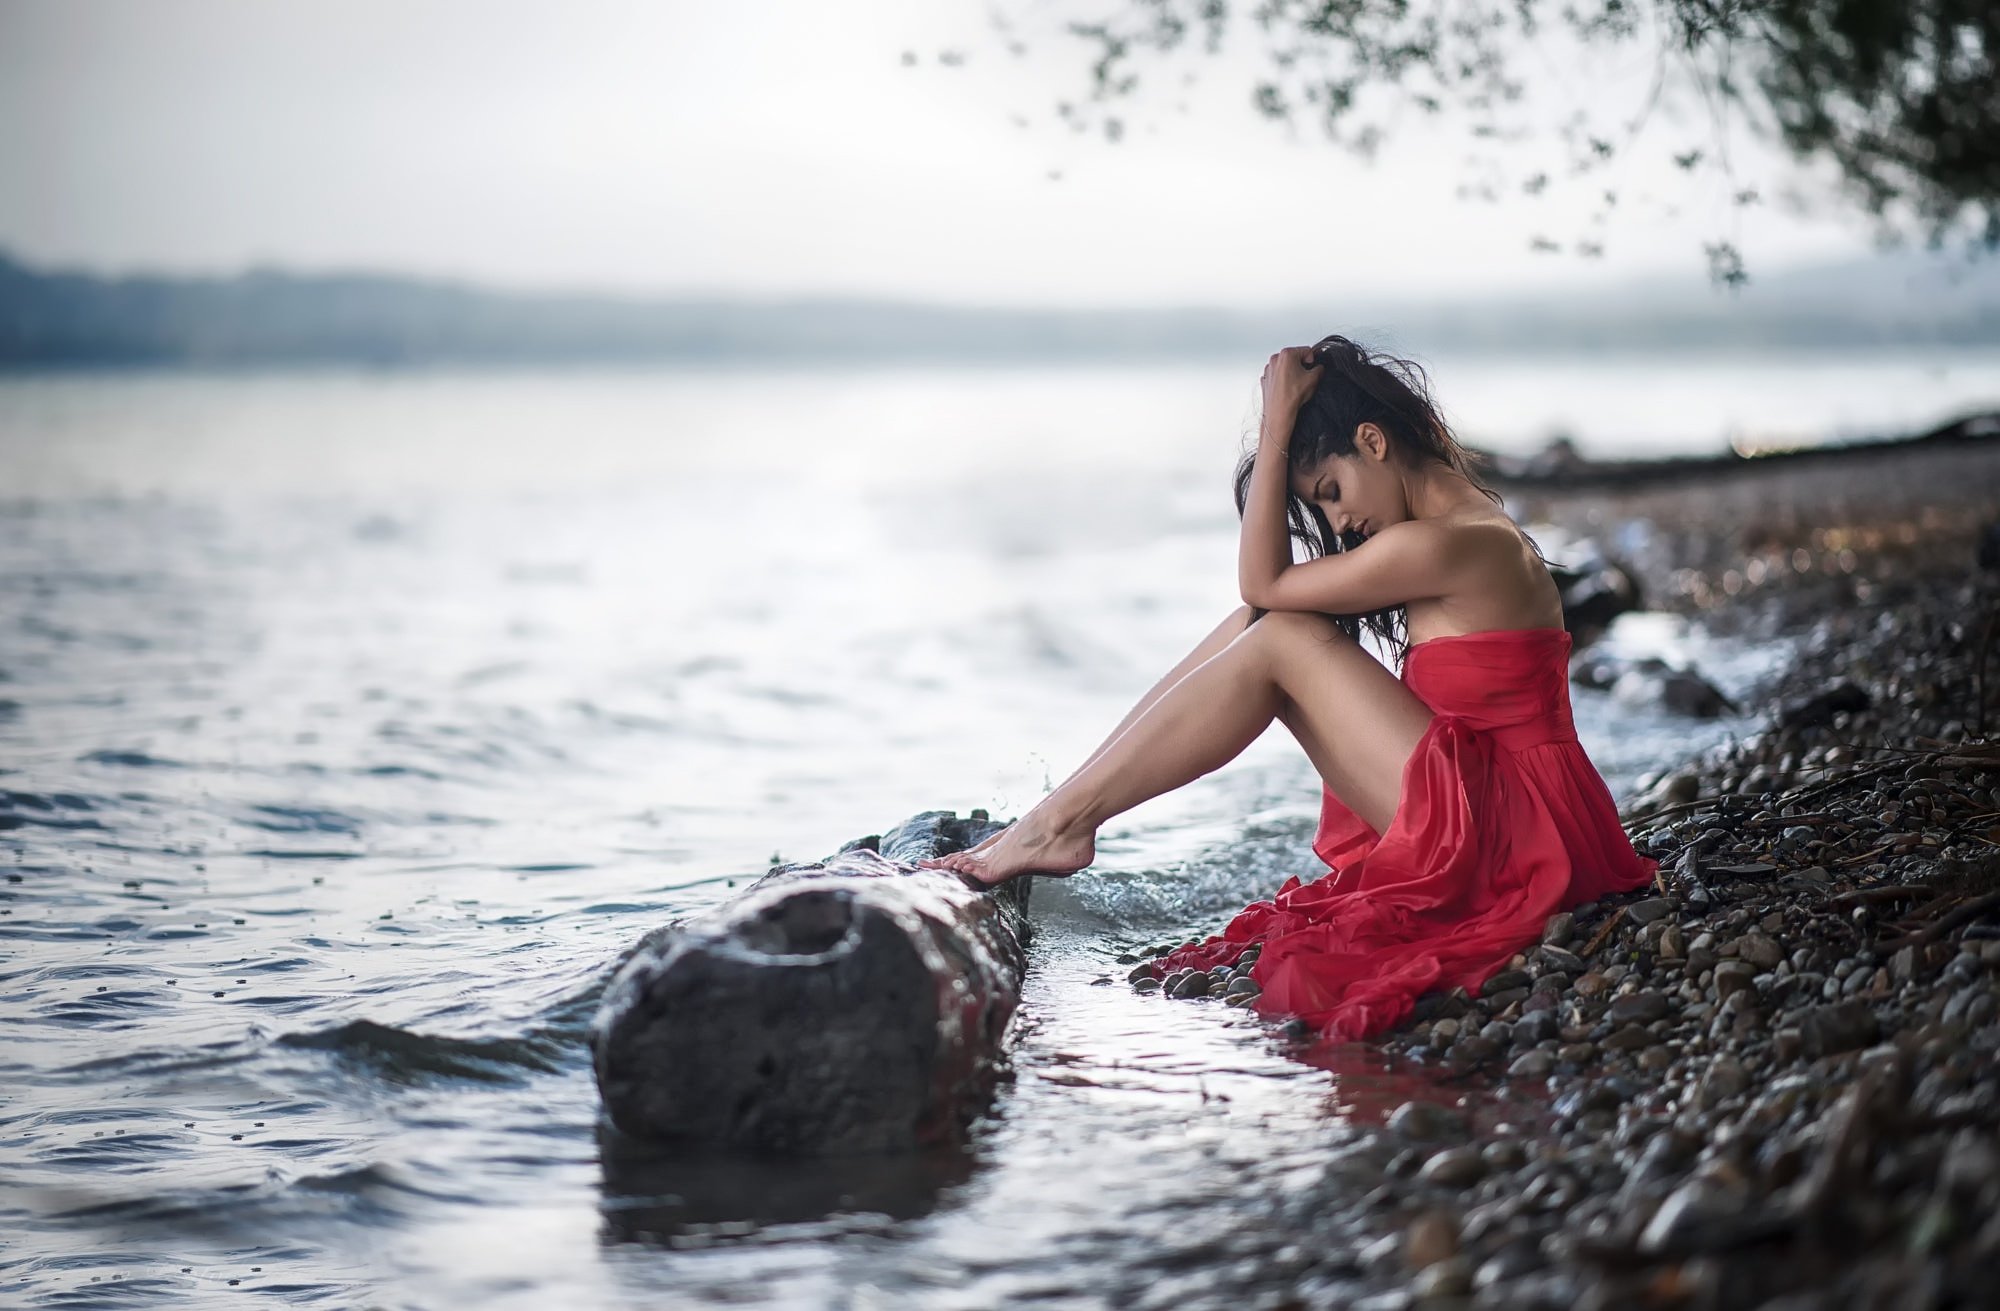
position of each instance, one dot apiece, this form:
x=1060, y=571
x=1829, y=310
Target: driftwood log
x=855, y=1004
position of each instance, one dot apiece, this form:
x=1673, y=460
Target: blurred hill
x=272, y=317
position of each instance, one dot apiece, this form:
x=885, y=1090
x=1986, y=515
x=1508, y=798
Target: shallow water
x=352, y=726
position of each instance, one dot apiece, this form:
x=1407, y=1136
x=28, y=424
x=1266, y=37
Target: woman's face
x=1362, y=492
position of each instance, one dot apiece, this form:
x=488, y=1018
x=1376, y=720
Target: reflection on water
x=351, y=728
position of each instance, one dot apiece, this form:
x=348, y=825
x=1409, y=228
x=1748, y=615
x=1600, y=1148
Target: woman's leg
x=1223, y=634
x=1356, y=721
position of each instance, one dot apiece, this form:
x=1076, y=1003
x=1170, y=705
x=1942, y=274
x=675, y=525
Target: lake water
x=351, y=725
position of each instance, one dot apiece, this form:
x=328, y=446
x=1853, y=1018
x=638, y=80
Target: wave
x=403, y=1056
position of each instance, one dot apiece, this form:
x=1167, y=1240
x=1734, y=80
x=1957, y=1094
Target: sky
x=787, y=147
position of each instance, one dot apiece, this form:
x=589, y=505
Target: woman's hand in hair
x=1289, y=378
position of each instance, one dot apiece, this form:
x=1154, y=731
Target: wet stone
x=1454, y=1167
x=1759, y=950
x=1144, y=985
x=1557, y=932
x=1432, y=1237
x=1473, y=1048
x=1639, y=1008
x=1561, y=959
x=1825, y=1030
x=1532, y=1065
x=1426, y=1122
x=1652, y=908
x=1733, y=976
x=1195, y=984
x=1632, y=1037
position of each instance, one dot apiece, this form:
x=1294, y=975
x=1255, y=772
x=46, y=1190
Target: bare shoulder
x=1463, y=537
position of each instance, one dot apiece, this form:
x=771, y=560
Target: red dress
x=1503, y=822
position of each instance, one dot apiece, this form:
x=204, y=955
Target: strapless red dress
x=1503, y=822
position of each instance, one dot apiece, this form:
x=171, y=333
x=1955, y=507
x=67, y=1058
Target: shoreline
x=1772, y=1079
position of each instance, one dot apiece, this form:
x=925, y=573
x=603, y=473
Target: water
x=352, y=725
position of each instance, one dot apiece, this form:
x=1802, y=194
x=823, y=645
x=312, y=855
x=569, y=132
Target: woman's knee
x=1295, y=626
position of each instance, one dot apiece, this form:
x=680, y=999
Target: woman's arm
x=1264, y=548
x=1405, y=562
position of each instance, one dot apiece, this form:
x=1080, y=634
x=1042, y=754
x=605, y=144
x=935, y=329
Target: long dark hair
x=1360, y=386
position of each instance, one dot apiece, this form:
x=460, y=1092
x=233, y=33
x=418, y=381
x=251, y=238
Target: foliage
x=1901, y=97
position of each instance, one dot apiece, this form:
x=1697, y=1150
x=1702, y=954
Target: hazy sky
x=770, y=146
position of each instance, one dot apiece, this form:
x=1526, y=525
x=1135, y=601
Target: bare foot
x=1028, y=846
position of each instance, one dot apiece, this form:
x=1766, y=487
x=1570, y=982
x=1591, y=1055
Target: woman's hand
x=1289, y=378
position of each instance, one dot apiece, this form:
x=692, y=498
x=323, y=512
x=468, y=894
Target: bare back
x=1500, y=581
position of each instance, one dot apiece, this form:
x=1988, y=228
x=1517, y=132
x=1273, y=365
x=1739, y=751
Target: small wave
x=404, y=1057
x=301, y=819
x=129, y=760
x=48, y=810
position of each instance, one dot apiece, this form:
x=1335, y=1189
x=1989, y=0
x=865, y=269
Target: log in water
x=855, y=1004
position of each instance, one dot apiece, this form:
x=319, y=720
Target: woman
x=1459, y=810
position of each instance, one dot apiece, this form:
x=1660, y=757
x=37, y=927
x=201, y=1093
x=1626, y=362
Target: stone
x=1535, y=1027
x=1194, y=984
x=1826, y=1030
x=1473, y=1048
x=1560, y=959
x=1632, y=1037
x=1639, y=1008
x=1733, y=976
x=1724, y=1079
x=1426, y=1122
x=1532, y=1065
x=1652, y=908
x=1431, y=1237
x=1238, y=987
x=1673, y=943
x=1454, y=1167
x=1759, y=950
x=1449, y=1279
x=1689, y=1219
x=1146, y=985
x=1559, y=929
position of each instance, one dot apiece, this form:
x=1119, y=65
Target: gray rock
x=1561, y=959
x=1652, y=908
x=1144, y=985
x=1532, y=1065
x=1195, y=984
x=1632, y=1037
x=1557, y=932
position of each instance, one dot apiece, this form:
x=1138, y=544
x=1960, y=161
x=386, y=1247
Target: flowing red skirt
x=1503, y=822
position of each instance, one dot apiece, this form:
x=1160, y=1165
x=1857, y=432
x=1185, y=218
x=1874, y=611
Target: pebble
x=1454, y=1167
x=1645, y=912
x=1531, y=1065
x=1733, y=976
x=1758, y=949
x=1639, y=1008
x=1426, y=1122
x=1432, y=1237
